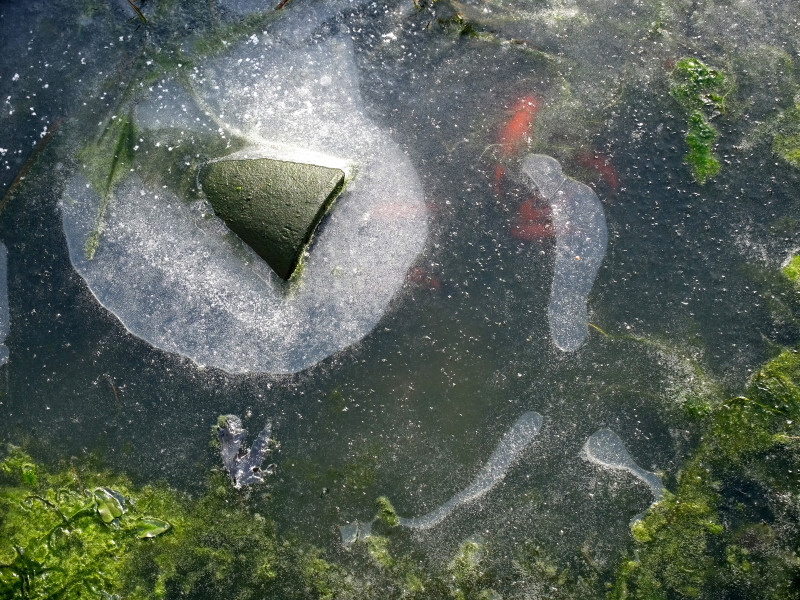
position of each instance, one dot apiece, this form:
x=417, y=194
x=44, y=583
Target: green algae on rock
x=696, y=86
x=272, y=205
x=700, y=139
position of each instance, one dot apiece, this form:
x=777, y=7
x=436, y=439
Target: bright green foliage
x=59, y=539
x=701, y=92
x=792, y=270
x=786, y=142
x=700, y=139
x=672, y=543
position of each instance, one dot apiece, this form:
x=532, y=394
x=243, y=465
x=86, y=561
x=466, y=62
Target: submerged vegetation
x=731, y=524
x=700, y=91
x=729, y=528
x=106, y=160
x=786, y=143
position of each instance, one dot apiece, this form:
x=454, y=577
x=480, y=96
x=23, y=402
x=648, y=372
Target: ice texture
x=516, y=439
x=177, y=277
x=5, y=317
x=243, y=467
x=581, y=237
x=604, y=448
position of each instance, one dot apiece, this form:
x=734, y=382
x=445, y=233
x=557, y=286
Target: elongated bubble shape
x=5, y=317
x=178, y=278
x=604, y=448
x=513, y=443
x=515, y=440
x=581, y=238
x=243, y=467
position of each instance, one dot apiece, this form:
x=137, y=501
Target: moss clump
x=386, y=513
x=378, y=549
x=792, y=270
x=700, y=138
x=695, y=544
x=786, y=143
x=700, y=91
x=696, y=86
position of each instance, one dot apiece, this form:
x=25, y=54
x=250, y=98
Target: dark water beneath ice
x=414, y=409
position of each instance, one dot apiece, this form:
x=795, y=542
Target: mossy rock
x=274, y=206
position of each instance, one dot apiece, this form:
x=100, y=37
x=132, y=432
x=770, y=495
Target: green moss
x=59, y=538
x=792, y=270
x=701, y=92
x=386, y=513
x=684, y=549
x=468, y=569
x=786, y=143
x=378, y=549
x=696, y=86
x=700, y=138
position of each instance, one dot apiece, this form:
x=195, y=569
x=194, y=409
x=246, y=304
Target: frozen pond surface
x=440, y=299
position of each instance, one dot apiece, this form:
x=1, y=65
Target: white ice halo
x=185, y=284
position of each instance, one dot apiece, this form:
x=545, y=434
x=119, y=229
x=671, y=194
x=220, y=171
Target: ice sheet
x=176, y=277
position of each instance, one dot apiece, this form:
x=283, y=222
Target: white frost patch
x=186, y=284
x=581, y=238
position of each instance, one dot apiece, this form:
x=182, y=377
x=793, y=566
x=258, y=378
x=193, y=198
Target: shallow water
x=406, y=388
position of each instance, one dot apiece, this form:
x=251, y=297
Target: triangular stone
x=272, y=205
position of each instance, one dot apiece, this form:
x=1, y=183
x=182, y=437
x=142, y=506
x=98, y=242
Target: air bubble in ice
x=604, y=448
x=581, y=237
